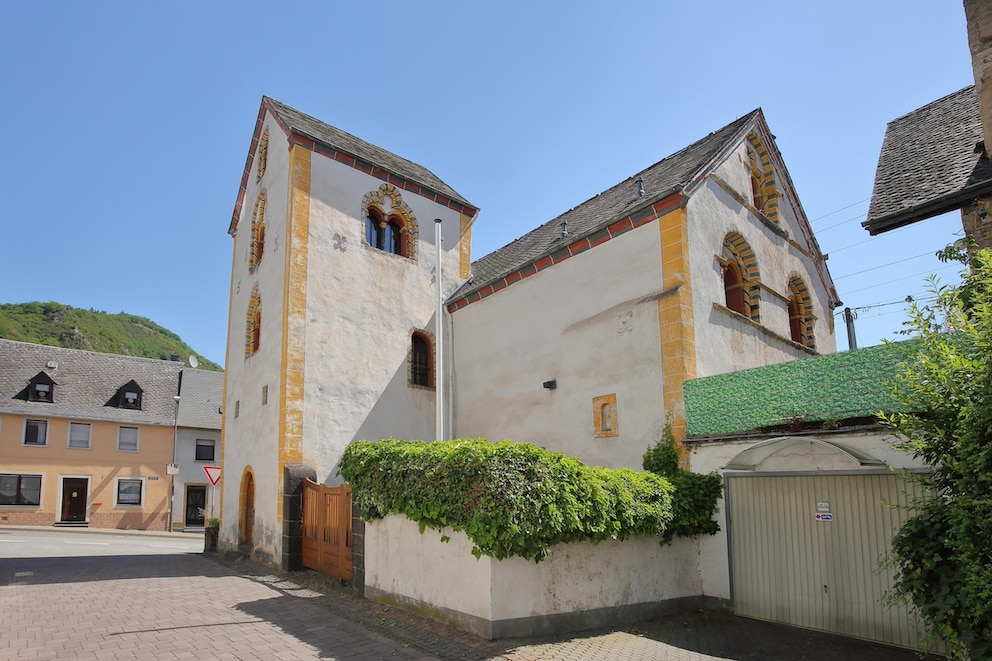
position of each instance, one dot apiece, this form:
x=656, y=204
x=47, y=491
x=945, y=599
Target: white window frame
x=137, y=439
x=44, y=441
x=141, y=492
x=89, y=435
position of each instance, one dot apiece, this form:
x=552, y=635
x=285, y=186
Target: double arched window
x=386, y=234
x=390, y=225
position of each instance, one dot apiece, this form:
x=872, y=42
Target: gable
x=335, y=144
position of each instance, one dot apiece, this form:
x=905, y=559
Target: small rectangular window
x=20, y=489
x=128, y=492
x=204, y=449
x=36, y=432
x=127, y=439
x=265, y=395
x=79, y=435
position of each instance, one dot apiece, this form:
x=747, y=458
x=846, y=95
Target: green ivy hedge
x=510, y=499
x=695, y=493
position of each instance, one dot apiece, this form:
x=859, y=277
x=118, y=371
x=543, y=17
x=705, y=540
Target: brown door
x=74, y=499
x=249, y=512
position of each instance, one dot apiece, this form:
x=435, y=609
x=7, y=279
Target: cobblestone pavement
x=195, y=606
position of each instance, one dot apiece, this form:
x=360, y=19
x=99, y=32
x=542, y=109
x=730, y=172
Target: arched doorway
x=247, y=508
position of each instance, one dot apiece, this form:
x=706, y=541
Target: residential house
x=576, y=336
x=197, y=446
x=85, y=437
x=936, y=159
x=814, y=491
x=91, y=439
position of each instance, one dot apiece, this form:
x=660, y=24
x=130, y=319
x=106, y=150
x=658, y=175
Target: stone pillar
x=357, y=551
x=294, y=476
x=976, y=218
x=979, y=16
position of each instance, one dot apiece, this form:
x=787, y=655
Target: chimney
x=978, y=14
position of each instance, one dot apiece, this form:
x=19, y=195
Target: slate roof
x=86, y=381
x=201, y=396
x=325, y=134
x=928, y=164
x=831, y=387
x=674, y=173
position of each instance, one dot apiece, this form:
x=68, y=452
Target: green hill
x=60, y=325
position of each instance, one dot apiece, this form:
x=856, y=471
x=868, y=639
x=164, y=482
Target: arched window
x=764, y=190
x=253, y=323
x=741, y=279
x=800, y=313
x=733, y=287
x=390, y=224
x=257, y=232
x=263, y=153
x=795, y=321
x=421, y=360
x=385, y=234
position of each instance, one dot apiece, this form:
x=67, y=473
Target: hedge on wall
x=510, y=499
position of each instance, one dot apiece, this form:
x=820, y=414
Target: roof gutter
x=916, y=213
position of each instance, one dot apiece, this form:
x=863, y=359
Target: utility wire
x=839, y=210
x=882, y=266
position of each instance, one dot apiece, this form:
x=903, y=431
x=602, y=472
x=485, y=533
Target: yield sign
x=213, y=474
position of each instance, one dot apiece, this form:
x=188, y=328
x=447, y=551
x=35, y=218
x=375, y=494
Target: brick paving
x=193, y=606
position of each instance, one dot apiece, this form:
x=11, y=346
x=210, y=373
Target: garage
x=806, y=549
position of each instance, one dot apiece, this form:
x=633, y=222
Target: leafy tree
x=943, y=553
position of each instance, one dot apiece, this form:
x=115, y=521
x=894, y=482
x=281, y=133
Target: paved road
x=86, y=595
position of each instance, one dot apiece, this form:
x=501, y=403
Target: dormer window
x=41, y=388
x=129, y=396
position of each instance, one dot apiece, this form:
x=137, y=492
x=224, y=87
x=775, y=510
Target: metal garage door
x=806, y=550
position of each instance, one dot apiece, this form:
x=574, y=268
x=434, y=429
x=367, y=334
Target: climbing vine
x=510, y=499
x=696, y=494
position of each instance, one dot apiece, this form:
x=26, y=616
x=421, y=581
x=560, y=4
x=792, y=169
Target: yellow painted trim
x=677, y=329
x=227, y=368
x=465, y=247
x=294, y=316
x=608, y=404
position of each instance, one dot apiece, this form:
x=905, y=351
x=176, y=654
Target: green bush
x=694, y=500
x=510, y=499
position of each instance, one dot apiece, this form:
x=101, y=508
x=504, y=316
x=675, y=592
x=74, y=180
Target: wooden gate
x=327, y=529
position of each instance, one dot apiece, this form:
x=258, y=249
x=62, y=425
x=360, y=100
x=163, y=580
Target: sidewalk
x=691, y=636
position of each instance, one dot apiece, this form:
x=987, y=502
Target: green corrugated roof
x=836, y=386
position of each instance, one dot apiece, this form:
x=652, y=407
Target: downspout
x=439, y=349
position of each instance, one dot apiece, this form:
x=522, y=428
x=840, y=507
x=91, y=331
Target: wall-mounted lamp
x=552, y=384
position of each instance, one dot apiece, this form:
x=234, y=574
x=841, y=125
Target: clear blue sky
x=125, y=125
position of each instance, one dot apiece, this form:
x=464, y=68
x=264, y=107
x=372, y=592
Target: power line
x=882, y=266
x=889, y=282
x=841, y=209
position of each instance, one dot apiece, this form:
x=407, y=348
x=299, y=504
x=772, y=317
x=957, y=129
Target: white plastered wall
x=590, y=324
x=362, y=304
x=252, y=438
x=724, y=341
x=403, y=564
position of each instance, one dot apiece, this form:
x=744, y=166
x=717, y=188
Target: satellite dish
x=193, y=362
